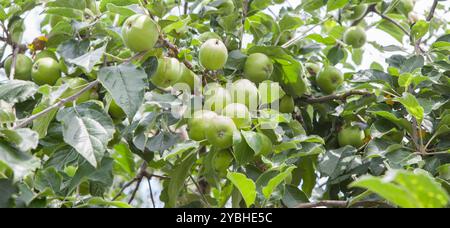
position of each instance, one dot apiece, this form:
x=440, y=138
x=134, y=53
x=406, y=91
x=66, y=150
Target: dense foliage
x=105, y=103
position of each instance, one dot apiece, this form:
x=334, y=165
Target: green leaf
x=88, y=129
x=48, y=178
x=17, y=91
x=416, y=189
x=21, y=163
x=97, y=201
x=289, y=22
x=124, y=11
x=178, y=176
x=24, y=138
x=294, y=196
x=7, y=190
x=336, y=4
x=126, y=84
x=88, y=60
x=124, y=159
x=420, y=29
x=412, y=105
x=246, y=187
x=277, y=180
x=66, y=12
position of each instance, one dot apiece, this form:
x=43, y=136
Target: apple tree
x=224, y=103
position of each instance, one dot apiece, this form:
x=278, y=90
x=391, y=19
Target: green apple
x=355, y=36
x=355, y=12
x=116, y=111
x=222, y=160
x=220, y=132
x=352, y=136
x=140, y=33
x=168, y=72
x=258, y=67
x=46, y=71
x=312, y=68
x=405, y=6
x=45, y=54
x=213, y=54
x=23, y=67
x=239, y=114
x=217, y=99
x=199, y=123
x=287, y=104
x=245, y=92
x=329, y=79
x=74, y=85
x=191, y=79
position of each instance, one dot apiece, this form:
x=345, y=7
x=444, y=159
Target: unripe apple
x=46, y=71
x=217, y=100
x=352, y=136
x=258, y=67
x=329, y=79
x=199, y=123
x=23, y=67
x=140, y=33
x=213, y=54
x=287, y=104
x=168, y=72
x=222, y=160
x=220, y=132
x=312, y=68
x=191, y=79
x=245, y=92
x=355, y=36
x=239, y=114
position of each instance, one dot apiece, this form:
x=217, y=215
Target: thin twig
x=244, y=17
x=124, y=187
x=12, y=72
x=295, y=39
x=393, y=22
x=151, y=192
x=24, y=122
x=432, y=10
x=200, y=191
x=370, y=9
x=333, y=97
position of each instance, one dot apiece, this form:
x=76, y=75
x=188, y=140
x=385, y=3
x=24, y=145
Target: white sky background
x=34, y=18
